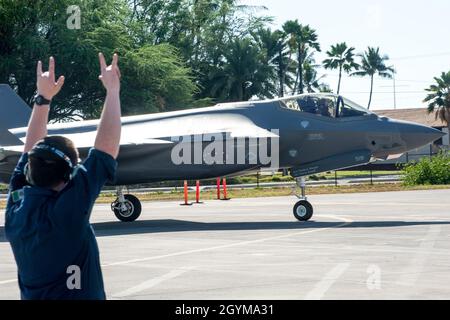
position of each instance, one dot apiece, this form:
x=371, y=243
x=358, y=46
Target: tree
x=275, y=48
x=341, y=58
x=439, y=98
x=372, y=63
x=228, y=22
x=310, y=75
x=155, y=79
x=311, y=80
x=325, y=88
x=243, y=73
x=301, y=39
x=201, y=30
x=38, y=29
x=33, y=30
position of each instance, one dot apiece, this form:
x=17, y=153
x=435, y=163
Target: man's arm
x=37, y=126
x=100, y=165
x=48, y=88
x=109, y=129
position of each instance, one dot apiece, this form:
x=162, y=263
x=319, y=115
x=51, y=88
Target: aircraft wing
x=86, y=140
x=235, y=125
x=81, y=144
x=10, y=151
x=161, y=132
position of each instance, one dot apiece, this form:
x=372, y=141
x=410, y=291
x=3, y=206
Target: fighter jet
x=304, y=134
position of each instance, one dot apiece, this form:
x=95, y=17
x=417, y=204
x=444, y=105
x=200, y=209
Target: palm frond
x=362, y=73
x=385, y=74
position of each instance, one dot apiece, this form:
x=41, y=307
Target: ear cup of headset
x=27, y=173
x=68, y=175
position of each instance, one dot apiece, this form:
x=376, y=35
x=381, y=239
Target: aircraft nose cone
x=416, y=135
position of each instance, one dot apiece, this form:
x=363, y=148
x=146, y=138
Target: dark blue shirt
x=50, y=234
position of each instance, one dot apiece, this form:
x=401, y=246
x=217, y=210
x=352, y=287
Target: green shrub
x=428, y=171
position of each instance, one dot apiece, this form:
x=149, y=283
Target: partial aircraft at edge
x=312, y=133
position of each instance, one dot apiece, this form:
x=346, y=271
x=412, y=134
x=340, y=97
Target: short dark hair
x=47, y=170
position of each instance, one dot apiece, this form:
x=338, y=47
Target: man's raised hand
x=110, y=75
x=46, y=85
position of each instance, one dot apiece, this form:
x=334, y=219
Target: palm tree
x=341, y=58
x=312, y=81
x=243, y=74
x=372, y=62
x=302, y=38
x=275, y=47
x=310, y=76
x=439, y=98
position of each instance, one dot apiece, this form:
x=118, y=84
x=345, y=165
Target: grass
x=278, y=177
x=273, y=192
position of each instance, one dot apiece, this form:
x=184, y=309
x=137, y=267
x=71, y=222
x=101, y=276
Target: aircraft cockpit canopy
x=325, y=105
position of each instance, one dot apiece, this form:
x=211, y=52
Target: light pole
x=395, y=90
x=394, y=86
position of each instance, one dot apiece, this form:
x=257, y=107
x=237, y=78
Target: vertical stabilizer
x=14, y=113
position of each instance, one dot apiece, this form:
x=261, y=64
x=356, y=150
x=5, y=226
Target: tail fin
x=14, y=113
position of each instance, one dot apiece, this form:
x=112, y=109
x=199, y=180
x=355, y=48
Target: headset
x=68, y=175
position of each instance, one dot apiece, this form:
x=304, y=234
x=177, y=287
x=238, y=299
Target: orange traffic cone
x=224, y=183
x=186, y=203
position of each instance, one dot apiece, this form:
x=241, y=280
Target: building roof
x=419, y=115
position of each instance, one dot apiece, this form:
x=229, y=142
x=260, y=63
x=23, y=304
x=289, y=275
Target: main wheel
x=129, y=210
x=303, y=210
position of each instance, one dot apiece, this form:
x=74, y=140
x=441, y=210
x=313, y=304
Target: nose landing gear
x=303, y=210
x=126, y=207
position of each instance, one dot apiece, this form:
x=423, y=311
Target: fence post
x=257, y=179
x=335, y=178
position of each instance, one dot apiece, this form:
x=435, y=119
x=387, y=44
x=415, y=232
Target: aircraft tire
x=303, y=210
x=133, y=211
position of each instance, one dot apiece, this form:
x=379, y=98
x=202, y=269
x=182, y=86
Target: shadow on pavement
x=103, y=229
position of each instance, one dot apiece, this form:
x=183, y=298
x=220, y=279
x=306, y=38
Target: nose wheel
x=126, y=207
x=303, y=210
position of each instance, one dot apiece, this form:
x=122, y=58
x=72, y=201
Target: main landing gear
x=126, y=207
x=303, y=210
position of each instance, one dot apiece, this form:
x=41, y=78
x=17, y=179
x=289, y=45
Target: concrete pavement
x=393, y=245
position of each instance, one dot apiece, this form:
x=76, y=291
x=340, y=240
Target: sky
x=415, y=34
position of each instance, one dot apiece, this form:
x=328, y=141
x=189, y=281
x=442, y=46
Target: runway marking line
x=327, y=281
x=151, y=283
x=8, y=281
x=225, y=246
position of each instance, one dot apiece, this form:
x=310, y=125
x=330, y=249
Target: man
x=51, y=197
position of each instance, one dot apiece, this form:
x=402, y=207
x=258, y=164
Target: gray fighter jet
x=305, y=134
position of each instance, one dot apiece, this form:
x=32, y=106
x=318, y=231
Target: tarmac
x=390, y=245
